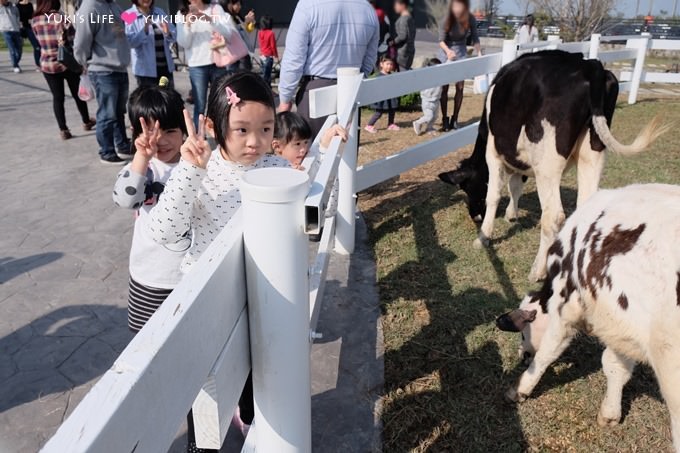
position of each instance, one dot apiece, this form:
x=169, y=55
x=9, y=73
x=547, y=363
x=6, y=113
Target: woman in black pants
x=49, y=30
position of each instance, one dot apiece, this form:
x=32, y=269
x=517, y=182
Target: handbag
x=65, y=55
x=223, y=52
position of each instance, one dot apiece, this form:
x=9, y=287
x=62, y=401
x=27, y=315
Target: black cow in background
x=544, y=112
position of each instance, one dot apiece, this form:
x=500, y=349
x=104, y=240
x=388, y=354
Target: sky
x=627, y=7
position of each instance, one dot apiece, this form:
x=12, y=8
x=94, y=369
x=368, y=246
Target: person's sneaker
x=17, y=70
x=393, y=127
x=111, y=160
x=124, y=154
x=90, y=124
x=371, y=129
x=65, y=134
x=416, y=127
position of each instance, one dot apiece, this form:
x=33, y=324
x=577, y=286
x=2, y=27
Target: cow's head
x=528, y=319
x=473, y=182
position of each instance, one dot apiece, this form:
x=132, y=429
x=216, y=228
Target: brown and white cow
x=544, y=112
x=613, y=272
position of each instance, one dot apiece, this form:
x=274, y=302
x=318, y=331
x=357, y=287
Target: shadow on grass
x=463, y=411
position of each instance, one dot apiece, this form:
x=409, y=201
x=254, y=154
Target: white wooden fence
x=197, y=350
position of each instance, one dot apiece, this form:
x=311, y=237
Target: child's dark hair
x=388, y=58
x=156, y=103
x=266, y=23
x=291, y=126
x=403, y=2
x=432, y=62
x=248, y=86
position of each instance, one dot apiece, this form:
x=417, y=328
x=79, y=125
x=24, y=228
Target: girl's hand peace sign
x=147, y=142
x=195, y=149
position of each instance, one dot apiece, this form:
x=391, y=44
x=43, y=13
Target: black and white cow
x=613, y=272
x=543, y=112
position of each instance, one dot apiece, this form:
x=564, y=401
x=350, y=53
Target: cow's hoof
x=514, y=397
x=480, y=243
x=605, y=422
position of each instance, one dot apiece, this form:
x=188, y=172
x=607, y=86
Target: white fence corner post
x=509, y=51
x=594, y=46
x=276, y=254
x=641, y=44
x=345, y=229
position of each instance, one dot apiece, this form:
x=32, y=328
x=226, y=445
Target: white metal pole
x=594, y=46
x=345, y=228
x=276, y=259
x=641, y=45
x=509, y=51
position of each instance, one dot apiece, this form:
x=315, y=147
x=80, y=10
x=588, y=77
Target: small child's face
x=294, y=151
x=387, y=66
x=250, y=132
x=169, y=144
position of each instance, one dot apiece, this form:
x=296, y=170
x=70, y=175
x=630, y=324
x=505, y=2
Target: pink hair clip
x=232, y=96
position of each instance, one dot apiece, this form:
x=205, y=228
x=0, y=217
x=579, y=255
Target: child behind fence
x=387, y=66
x=429, y=102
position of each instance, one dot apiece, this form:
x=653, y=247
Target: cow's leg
x=515, y=186
x=618, y=369
x=497, y=177
x=666, y=364
x=555, y=340
x=590, y=165
x=552, y=218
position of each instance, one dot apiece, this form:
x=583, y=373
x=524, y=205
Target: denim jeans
x=28, y=33
x=15, y=45
x=111, y=89
x=267, y=65
x=200, y=77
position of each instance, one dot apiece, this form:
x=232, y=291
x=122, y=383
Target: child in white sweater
x=202, y=193
x=429, y=101
x=158, y=132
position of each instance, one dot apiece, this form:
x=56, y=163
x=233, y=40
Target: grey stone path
x=63, y=283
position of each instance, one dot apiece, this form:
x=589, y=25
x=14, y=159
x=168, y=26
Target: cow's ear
x=515, y=320
x=455, y=177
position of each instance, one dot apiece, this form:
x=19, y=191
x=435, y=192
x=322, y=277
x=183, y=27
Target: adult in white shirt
x=527, y=32
x=195, y=29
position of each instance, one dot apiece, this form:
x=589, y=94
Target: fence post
x=345, y=229
x=641, y=45
x=594, y=46
x=509, y=51
x=278, y=307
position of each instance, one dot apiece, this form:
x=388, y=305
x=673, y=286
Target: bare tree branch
x=577, y=19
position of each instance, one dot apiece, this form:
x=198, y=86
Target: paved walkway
x=63, y=283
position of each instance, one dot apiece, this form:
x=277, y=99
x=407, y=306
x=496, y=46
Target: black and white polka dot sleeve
x=129, y=190
x=170, y=219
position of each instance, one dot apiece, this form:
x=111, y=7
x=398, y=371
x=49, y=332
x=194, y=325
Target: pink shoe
x=238, y=423
x=393, y=127
x=371, y=129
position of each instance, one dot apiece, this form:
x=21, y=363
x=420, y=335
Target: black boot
x=445, y=124
x=453, y=124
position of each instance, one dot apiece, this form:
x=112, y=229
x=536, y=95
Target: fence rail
x=218, y=336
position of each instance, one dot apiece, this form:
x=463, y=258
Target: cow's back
x=625, y=265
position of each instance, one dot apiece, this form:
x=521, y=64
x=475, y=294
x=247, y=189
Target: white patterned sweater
x=201, y=201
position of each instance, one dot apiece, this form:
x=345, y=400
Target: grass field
x=446, y=366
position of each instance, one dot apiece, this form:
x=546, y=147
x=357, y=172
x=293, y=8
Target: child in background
x=293, y=138
x=268, y=50
x=202, y=193
x=429, y=102
x=158, y=132
x=387, y=67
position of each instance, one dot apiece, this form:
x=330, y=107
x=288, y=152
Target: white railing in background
x=197, y=350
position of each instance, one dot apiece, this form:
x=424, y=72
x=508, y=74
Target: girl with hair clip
x=202, y=194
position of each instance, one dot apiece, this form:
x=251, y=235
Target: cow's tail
x=649, y=133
